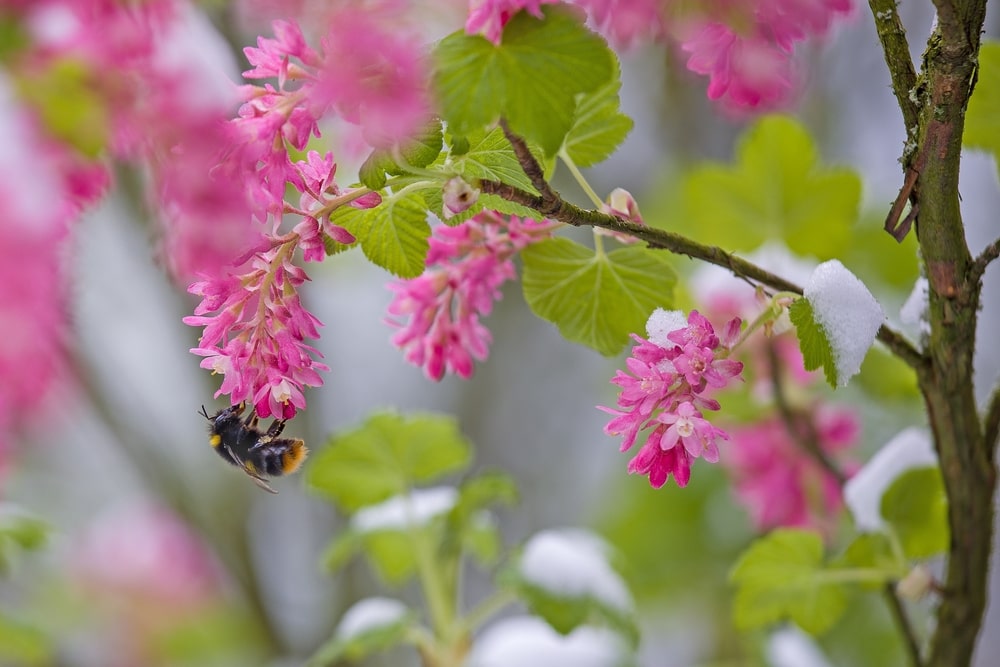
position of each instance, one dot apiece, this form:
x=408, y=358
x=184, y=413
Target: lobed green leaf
x=777, y=188
x=386, y=457
x=781, y=577
x=531, y=78
x=596, y=299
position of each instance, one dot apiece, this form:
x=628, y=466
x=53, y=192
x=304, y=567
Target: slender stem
x=989, y=253
x=557, y=209
x=903, y=622
x=892, y=35
x=799, y=426
x=580, y=179
x=487, y=608
x=531, y=167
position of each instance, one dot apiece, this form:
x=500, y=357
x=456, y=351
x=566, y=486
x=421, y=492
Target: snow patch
x=911, y=448
x=914, y=311
x=573, y=563
x=790, y=647
x=369, y=614
x=401, y=512
x=848, y=314
x=529, y=642
x=663, y=322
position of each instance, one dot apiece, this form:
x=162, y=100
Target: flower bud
x=458, y=196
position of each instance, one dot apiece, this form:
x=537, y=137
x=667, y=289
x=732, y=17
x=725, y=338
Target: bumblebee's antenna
x=205, y=413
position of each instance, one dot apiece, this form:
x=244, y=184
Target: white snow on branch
x=401, y=512
x=914, y=311
x=848, y=314
x=526, y=641
x=573, y=563
x=369, y=614
x=911, y=448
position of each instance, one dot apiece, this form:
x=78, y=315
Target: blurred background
x=161, y=555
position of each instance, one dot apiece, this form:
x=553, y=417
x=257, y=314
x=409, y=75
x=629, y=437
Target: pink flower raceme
x=626, y=22
x=665, y=389
x=779, y=482
x=256, y=338
x=438, y=312
x=745, y=47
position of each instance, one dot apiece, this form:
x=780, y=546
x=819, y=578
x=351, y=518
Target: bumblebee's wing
x=257, y=479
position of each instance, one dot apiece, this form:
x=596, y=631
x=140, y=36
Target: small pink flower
x=659, y=463
x=696, y=434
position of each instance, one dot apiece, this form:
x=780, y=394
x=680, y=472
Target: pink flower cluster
x=743, y=46
x=256, y=338
x=779, y=482
x=438, y=312
x=666, y=391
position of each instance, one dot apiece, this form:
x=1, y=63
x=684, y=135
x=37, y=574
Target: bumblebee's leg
x=251, y=419
x=262, y=484
x=276, y=428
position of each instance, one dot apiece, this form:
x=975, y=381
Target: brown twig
x=556, y=208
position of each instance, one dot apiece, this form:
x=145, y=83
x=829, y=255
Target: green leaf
x=781, y=577
x=469, y=525
x=596, y=299
x=982, y=119
x=886, y=377
x=392, y=235
x=776, y=189
x=386, y=457
x=599, y=126
x=491, y=157
x=371, y=625
x=69, y=104
x=531, y=78
x=419, y=151
x=22, y=644
x=813, y=342
x=916, y=507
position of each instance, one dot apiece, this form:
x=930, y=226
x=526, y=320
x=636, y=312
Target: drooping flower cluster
x=776, y=478
x=256, y=338
x=668, y=384
x=743, y=46
x=438, y=312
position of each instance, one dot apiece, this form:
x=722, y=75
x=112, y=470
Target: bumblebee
x=261, y=455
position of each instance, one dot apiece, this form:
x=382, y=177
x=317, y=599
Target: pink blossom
x=438, y=313
x=141, y=572
x=745, y=72
x=488, y=17
x=686, y=426
x=665, y=390
x=659, y=463
x=779, y=482
x=628, y=22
